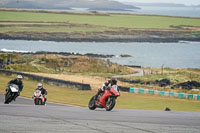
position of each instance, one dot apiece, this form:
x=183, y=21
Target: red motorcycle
x=106, y=100
x=38, y=98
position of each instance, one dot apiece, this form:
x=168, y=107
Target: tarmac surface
x=22, y=116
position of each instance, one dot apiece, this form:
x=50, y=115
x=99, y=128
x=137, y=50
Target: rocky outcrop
x=68, y=39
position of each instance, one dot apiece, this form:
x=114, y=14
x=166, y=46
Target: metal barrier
x=48, y=80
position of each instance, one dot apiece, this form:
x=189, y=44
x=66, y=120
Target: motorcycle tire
x=91, y=104
x=8, y=98
x=37, y=101
x=110, y=104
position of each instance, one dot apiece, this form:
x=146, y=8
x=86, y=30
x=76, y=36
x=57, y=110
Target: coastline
x=172, y=55
x=102, y=39
x=133, y=28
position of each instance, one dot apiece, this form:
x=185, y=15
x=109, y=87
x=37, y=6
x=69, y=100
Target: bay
x=173, y=55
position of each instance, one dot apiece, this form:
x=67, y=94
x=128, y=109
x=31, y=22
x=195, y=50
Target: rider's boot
x=97, y=95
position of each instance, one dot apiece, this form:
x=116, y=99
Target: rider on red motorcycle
x=107, y=84
x=106, y=96
x=42, y=89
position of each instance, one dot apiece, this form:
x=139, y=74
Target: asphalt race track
x=22, y=116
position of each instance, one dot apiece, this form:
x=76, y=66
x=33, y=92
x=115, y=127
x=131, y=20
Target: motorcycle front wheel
x=37, y=101
x=91, y=104
x=110, y=103
x=8, y=98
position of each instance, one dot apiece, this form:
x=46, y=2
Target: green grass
x=49, y=28
x=55, y=94
x=113, y=20
x=197, y=34
x=174, y=75
x=30, y=68
x=126, y=100
x=153, y=102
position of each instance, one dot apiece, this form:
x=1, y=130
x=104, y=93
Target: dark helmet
x=113, y=80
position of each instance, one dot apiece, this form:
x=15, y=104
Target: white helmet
x=19, y=77
x=39, y=84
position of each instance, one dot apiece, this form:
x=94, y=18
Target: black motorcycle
x=11, y=93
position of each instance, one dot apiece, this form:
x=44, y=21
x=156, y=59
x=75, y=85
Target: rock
x=125, y=55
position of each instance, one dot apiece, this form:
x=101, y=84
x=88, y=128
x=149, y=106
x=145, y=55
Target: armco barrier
x=198, y=97
x=151, y=91
x=146, y=90
x=165, y=93
x=180, y=95
x=48, y=80
x=190, y=96
x=157, y=92
x=162, y=93
x=125, y=89
x=141, y=90
x=131, y=90
x=171, y=93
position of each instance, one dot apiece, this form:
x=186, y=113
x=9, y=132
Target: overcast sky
x=186, y=2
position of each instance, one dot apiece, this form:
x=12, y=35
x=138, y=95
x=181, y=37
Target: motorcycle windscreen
x=37, y=93
x=115, y=88
x=14, y=89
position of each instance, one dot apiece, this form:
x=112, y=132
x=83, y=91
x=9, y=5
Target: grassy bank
x=175, y=76
x=126, y=100
x=62, y=64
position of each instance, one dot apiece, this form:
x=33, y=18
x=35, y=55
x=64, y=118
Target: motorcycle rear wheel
x=110, y=104
x=91, y=104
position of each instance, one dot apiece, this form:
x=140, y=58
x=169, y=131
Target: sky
x=186, y=2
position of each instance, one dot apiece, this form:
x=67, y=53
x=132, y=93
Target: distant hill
x=156, y=4
x=66, y=4
x=196, y=6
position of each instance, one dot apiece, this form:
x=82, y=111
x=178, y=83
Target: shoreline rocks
x=125, y=55
x=67, y=54
x=68, y=39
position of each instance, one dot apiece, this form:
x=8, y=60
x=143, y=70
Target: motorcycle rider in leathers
x=17, y=81
x=42, y=89
x=106, y=85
